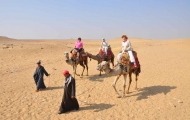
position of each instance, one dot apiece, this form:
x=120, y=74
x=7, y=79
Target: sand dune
x=163, y=83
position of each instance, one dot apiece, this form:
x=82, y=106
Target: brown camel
x=118, y=71
x=101, y=57
x=83, y=61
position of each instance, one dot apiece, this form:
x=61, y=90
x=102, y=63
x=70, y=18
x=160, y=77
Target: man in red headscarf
x=69, y=101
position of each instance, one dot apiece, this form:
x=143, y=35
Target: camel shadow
x=97, y=107
x=98, y=78
x=153, y=90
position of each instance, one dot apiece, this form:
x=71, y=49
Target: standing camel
x=101, y=57
x=118, y=71
x=83, y=62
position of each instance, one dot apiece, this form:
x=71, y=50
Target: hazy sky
x=95, y=19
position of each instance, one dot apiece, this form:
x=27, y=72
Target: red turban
x=65, y=72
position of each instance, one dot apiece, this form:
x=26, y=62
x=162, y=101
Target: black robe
x=69, y=103
x=39, y=77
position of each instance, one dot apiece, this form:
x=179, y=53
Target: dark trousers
x=78, y=50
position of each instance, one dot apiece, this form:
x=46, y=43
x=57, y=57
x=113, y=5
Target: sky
x=94, y=19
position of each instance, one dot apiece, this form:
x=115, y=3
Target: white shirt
x=68, y=81
x=104, y=44
x=126, y=45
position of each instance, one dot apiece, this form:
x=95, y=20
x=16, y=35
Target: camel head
x=66, y=55
x=102, y=66
x=67, y=60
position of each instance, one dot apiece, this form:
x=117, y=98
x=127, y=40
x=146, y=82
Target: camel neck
x=108, y=70
x=113, y=72
x=94, y=57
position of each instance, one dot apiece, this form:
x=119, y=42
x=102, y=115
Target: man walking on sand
x=69, y=101
x=39, y=76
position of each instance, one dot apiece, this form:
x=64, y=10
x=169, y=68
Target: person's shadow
x=97, y=107
x=152, y=90
x=53, y=88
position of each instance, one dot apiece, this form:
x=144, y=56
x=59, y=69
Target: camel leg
x=112, y=61
x=114, y=84
x=124, y=84
x=130, y=80
x=136, y=82
x=100, y=70
x=81, y=63
x=74, y=70
x=86, y=64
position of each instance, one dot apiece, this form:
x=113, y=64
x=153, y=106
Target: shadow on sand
x=53, y=88
x=97, y=107
x=98, y=78
x=153, y=90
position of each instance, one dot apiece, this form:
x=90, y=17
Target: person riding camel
x=104, y=46
x=126, y=47
x=78, y=47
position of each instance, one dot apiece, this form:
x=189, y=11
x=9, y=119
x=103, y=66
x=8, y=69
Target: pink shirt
x=78, y=45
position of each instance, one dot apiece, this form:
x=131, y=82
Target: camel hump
x=82, y=55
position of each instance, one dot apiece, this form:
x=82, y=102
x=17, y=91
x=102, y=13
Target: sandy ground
x=164, y=83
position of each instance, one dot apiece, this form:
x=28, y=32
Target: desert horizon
x=11, y=38
x=163, y=84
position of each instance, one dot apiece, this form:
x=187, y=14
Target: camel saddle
x=136, y=59
x=82, y=55
x=125, y=59
x=102, y=53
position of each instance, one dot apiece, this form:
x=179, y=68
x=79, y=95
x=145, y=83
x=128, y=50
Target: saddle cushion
x=110, y=53
x=124, y=60
x=82, y=55
x=103, y=54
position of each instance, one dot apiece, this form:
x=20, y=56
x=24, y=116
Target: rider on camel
x=78, y=47
x=104, y=46
x=126, y=47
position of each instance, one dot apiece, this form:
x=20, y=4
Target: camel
x=118, y=71
x=83, y=62
x=101, y=57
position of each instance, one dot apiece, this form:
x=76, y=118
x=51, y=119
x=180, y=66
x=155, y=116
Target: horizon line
x=86, y=38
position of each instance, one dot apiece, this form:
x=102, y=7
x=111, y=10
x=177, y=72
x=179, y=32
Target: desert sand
x=164, y=82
